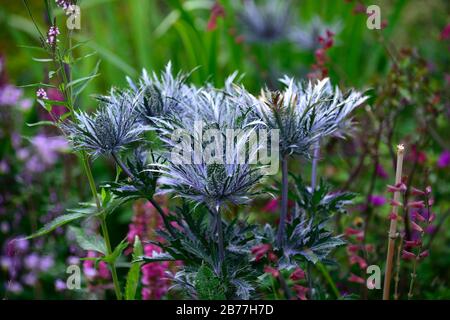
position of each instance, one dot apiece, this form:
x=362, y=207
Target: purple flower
x=29, y=279
x=64, y=4
x=46, y=263
x=60, y=285
x=31, y=261
x=9, y=95
x=444, y=159
x=377, y=200
x=41, y=94
x=14, y=287
x=52, y=33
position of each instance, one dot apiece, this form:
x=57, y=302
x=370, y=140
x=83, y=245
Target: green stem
x=104, y=227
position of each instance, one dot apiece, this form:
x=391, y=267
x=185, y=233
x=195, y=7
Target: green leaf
x=156, y=257
x=87, y=242
x=56, y=223
x=208, y=285
x=133, y=274
x=88, y=79
x=41, y=123
x=111, y=259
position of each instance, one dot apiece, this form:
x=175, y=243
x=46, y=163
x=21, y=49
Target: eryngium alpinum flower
x=109, y=129
x=163, y=95
x=305, y=113
x=266, y=22
x=214, y=182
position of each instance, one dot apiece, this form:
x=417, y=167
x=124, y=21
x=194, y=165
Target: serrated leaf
x=208, y=285
x=111, y=259
x=156, y=257
x=133, y=274
x=87, y=242
x=56, y=223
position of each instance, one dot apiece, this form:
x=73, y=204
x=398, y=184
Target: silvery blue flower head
x=162, y=95
x=208, y=171
x=109, y=129
x=305, y=113
x=266, y=22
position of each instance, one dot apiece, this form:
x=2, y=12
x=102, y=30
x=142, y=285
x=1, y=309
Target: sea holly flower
x=305, y=113
x=107, y=131
x=268, y=22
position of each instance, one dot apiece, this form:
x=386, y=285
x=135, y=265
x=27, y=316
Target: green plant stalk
x=327, y=276
x=104, y=227
x=281, y=234
x=397, y=272
x=220, y=244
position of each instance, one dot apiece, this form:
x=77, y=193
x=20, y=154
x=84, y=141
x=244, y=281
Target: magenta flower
x=356, y=279
x=444, y=159
x=298, y=274
x=300, y=291
x=377, y=200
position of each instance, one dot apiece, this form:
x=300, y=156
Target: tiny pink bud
x=424, y=254
x=396, y=203
x=432, y=217
x=418, y=217
x=356, y=279
x=428, y=189
x=430, y=202
x=416, y=227
x=392, y=216
x=412, y=243
x=298, y=274
x=406, y=255
x=416, y=204
x=417, y=192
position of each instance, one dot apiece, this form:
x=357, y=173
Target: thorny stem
x=104, y=226
x=393, y=226
x=281, y=235
x=122, y=165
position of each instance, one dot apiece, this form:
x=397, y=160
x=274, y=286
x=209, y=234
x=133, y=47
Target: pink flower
x=274, y=272
x=406, y=255
x=216, y=12
x=445, y=34
x=424, y=254
x=412, y=243
x=271, y=206
x=298, y=274
x=416, y=227
x=356, y=279
x=300, y=291
x=416, y=204
x=260, y=250
x=355, y=259
x=417, y=192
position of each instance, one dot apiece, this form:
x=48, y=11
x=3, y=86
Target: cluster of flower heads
x=421, y=218
x=274, y=20
x=356, y=249
x=303, y=113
